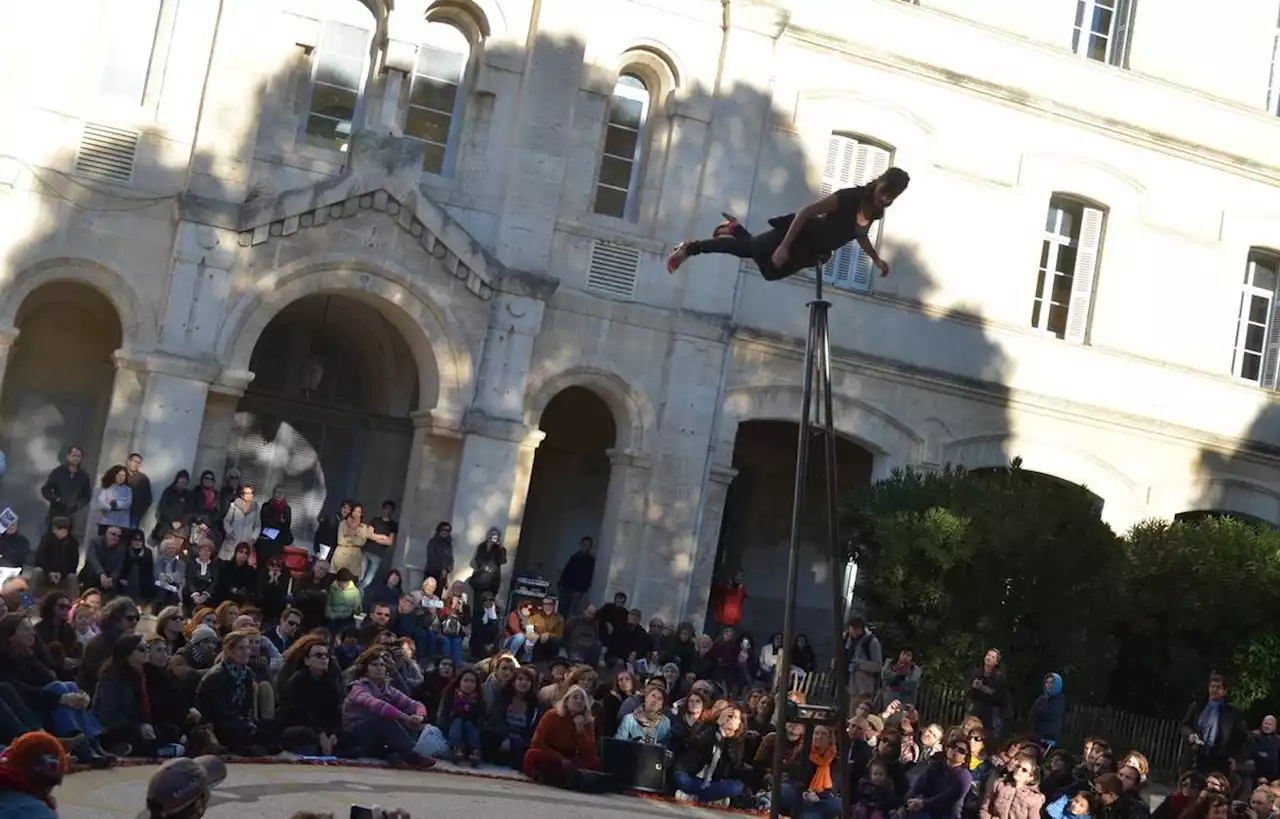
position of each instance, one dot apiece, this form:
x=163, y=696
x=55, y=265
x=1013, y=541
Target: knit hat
x=35, y=764
x=203, y=632
x=180, y=782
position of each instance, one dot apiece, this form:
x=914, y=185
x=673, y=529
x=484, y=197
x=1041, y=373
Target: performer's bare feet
x=677, y=256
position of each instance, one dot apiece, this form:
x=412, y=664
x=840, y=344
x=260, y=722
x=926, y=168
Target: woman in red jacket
x=564, y=743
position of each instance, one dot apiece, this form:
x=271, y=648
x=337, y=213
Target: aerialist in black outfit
x=808, y=237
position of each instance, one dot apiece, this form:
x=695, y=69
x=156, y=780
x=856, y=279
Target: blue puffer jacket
x=18, y=805
x=1048, y=710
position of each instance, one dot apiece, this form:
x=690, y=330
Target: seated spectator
x=624, y=685
x=347, y=648
x=940, y=791
x=520, y=631
x=84, y=619
x=117, y=618
x=310, y=709
x=388, y=592
x=57, y=559
x=711, y=766
x=504, y=670
x=227, y=696
x=461, y=714
x=285, y=631
x=511, y=720
x=92, y=598
x=378, y=720
x=486, y=627
x=273, y=589
x=762, y=761
x=30, y=768
x=581, y=638
x=378, y=619
x=564, y=743
x=170, y=575
x=407, y=669
x=15, y=549
x=548, y=629
x=455, y=616
x=122, y=704
x=201, y=577
x=237, y=579
x=311, y=594
x=648, y=723
x=104, y=563
x=435, y=683
x=58, y=635
x=808, y=791
x=46, y=699
x=689, y=712
x=224, y=617
x=555, y=690
x=628, y=643
x=875, y=796
x=343, y=602
x=138, y=575
x=172, y=705
x=1015, y=793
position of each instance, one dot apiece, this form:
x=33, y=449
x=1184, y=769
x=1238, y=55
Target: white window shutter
x=872, y=161
x=1271, y=355
x=1086, y=273
x=1120, y=32
x=842, y=160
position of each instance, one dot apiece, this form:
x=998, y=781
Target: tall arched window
x=624, y=134
x=338, y=69
x=437, y=93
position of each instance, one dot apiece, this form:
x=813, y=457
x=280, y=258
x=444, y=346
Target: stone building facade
x=413, y=249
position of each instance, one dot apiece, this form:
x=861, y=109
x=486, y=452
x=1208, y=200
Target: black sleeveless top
x=825, y=234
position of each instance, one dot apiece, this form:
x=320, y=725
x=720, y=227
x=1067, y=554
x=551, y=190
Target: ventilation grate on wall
x=107, y=153
x=613, y=270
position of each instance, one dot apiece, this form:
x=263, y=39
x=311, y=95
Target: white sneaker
x=681, y=796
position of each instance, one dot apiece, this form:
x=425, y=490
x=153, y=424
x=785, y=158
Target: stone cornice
x=1038, y=105
x=629, y=458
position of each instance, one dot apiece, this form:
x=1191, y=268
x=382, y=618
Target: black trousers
x=759, y=248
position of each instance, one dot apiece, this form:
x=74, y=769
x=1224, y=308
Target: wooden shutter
x=1271, y=353
x=1121, y=33
x=1086, y=273
x=872, y=161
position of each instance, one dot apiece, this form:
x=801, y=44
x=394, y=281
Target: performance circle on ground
x=277, y=791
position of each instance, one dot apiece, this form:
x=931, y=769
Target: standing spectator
x=174, y=509
x=67, y=489
x=277, y=517
x=379, y=546
x=1214, y=731
x=138, y=574
x=486, y=567
x=1047, y=712
x=14, y=548
x=613, y=616
x=57, y=559
x=1266, y=750
x=901, y=679
x=139, y=489
x=30, y=769
x=727, y=601
x=115, y=499
x=576, y=576
x=988, y=693
x=866, y=661
x=104, y=563
x=327, y=531
x=242, y=522
x=440, y=555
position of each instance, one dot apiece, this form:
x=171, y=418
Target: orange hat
x=35, y=763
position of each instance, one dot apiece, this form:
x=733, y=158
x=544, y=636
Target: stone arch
x=823, y=113
x=655, y=64
x=890, y=442
x=633, y=414
x=1219, y=493
x=137, y=322
x=419, y=309
x=482, y=19
x=1068, y=463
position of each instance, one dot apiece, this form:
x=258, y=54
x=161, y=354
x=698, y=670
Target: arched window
x=437, y=93
x=1257, y=348
x=852, y=161
x=1068, y=269
x=338, y=70
x=624, y=139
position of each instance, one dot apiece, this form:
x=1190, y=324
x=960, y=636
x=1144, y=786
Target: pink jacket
x=1007, y=801
x=366, y=701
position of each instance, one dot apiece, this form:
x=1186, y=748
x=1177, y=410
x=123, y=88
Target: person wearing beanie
x=180, y=788
x=30, y=769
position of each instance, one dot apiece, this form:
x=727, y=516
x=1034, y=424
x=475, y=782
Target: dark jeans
x=714, y=790
x=377, y=736
x=464, y=736
x=827, y=806
x=758, y=248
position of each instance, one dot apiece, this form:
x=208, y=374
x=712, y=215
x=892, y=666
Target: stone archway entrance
x=327, y=413
x=57, y=390
x=756, y=528
x=569, y=485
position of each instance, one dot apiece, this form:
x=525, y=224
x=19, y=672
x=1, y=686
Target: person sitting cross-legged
x=123, y=704
x=377, y=719
x=228, y=697
x=711, y=765
x=564, y=743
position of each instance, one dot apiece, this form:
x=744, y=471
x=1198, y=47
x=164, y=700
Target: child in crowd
x=875, y=797
x=461, y=715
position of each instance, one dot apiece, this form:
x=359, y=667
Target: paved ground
x=277, y=791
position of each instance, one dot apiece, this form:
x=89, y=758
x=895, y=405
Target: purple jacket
x=943, y=790
x=366, y=702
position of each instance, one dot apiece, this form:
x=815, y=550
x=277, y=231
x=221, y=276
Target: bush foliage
x=954, y=562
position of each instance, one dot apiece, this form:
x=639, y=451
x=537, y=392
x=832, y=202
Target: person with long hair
x=564, y=743
x=310, y=709
x=227, y=696
x=1015, y=794
x=461, y=714
x=237, y=578
x=58, y=635
x=122, y=702
x=378, y=719
x=115, y=499
x=510, y=724
x=810, y=235
x=940, y=791
x=711, y=767
x=648, y=723
x=809, y=791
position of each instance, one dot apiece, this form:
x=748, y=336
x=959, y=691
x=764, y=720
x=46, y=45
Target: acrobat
x=807, y=237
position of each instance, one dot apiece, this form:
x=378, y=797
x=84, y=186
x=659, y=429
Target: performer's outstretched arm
x=865, y=243
x=827, y=204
